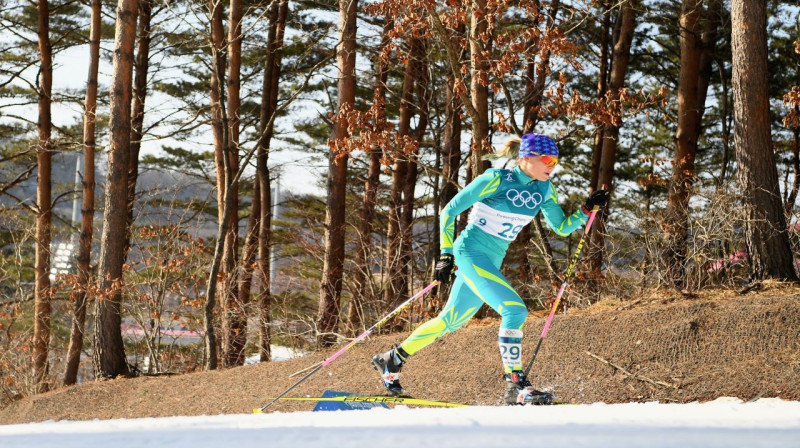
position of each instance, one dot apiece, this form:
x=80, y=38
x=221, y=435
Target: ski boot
x=520, y=391
x=389, y=365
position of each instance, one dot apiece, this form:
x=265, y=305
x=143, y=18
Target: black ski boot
x=520, y=391
x=389, y=365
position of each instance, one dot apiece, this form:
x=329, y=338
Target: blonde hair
x=510, y=150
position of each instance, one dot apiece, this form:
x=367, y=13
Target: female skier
x=503, y=201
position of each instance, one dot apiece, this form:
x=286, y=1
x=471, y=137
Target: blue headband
x=537, y=145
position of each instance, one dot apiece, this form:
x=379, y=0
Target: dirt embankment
x=668, y=349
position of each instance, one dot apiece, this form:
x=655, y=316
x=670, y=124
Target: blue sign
x=345, y=405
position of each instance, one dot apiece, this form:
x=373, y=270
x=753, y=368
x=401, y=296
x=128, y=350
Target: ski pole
x=570, y=269
x=355, y=341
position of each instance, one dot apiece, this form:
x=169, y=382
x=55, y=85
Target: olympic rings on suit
x=524, y=198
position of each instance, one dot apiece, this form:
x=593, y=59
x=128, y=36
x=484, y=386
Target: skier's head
x=536, y=154
x=538, y=145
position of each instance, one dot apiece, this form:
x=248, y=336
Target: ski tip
x=258, y=411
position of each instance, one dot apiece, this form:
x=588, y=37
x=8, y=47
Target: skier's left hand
x=597, y=199
x=445, y=269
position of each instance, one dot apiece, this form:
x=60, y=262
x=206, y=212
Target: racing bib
x=504, y=225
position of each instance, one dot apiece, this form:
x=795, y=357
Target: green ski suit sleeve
x=472, y=193
x=554, y=215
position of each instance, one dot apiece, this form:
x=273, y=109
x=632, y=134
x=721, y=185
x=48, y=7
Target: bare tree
x=766, y=234
x=109, y=355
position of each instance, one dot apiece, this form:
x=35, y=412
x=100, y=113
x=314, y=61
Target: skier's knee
x=514, y=316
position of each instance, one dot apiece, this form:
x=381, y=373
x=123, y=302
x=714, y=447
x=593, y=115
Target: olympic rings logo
x=524, y=198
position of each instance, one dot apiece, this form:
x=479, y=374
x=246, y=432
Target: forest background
x=172, y=250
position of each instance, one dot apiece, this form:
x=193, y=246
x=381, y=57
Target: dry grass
x=706, y=345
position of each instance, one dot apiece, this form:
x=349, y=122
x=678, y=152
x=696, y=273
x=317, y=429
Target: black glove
x=599, y=198
x=445, y=269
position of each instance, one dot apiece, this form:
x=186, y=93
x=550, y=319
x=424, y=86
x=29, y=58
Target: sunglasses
x=550, y=160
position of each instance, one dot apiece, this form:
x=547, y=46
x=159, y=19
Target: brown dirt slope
x=669, y=349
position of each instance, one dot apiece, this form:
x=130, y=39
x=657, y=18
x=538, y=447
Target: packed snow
x=725, y=422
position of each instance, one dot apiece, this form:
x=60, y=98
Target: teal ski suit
x=503, y=201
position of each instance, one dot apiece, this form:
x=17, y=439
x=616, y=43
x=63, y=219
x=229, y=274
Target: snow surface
x=725, y=422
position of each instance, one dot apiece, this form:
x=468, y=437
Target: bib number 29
x=510, y=231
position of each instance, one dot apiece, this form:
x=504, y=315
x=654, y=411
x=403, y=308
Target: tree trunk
x=478, y=67
x=269, y=100
x=725, y=117
x=109, y=356
x=224, y=177
x=451, y=161
x=534, y=92
x=331, y=287
x=362, y=275
x=264, y=296
x=395, y=270
x=141, y=65
x=249, y=253
x=87, y=211
x=537, y=77
x=766, y=235
x=676, y=220
x=451, y=150
x=479, y=85
x=713, y=21
x=218, y=56
x=234, y=318
x=602, y=88
x=420, y=76
x=622, y=48
x=363, y=264
x=44, y=155
x=791, y=196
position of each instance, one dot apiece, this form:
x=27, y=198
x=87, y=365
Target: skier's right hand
x=445, y=269
x=597, y=199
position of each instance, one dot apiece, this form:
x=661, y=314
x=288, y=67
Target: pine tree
x=766, y=236
x=44, y=204
x=87, y=230
x=109, y=355
x=332, y=271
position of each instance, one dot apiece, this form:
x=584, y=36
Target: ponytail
x=510, y=150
